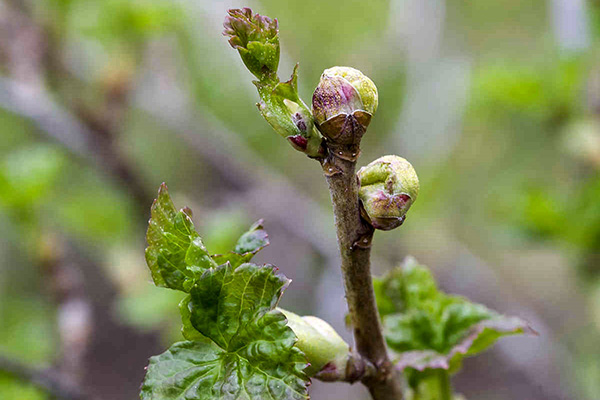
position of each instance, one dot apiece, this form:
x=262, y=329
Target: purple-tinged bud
x=388, y=188
x=343, y=104
x=256, y=38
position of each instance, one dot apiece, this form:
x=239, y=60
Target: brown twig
x=354, y=241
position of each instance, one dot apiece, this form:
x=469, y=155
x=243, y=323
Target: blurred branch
x=240, y=167
x=75, y=322
x=53, y=384
x=112, y=367
x=75, y=136
x=85, y=296
x=50, y=119
x=87, y=133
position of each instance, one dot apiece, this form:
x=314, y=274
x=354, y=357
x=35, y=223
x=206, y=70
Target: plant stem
x=445, y=389
x=354, y=240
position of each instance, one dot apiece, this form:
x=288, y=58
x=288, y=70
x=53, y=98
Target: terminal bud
x=343, y=104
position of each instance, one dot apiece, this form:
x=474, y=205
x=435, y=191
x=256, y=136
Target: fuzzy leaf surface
x=175, y=254
x=248, y=351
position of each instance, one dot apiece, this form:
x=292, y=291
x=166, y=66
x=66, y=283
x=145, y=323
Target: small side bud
x=256, y=38
x=325, y=350
x=388, y=188
x=343, y=104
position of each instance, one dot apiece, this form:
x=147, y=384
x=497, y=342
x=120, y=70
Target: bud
x=388, y=187
x=343, y=104
x=256, y=38
x=325, y=350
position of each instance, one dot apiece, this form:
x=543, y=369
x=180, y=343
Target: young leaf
x=248, y=245
x=256, y=38
x=430, y=329
x=187, y=330
x=175, y=254
x=251, y=353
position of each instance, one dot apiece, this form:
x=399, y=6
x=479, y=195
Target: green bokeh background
x=496, y=103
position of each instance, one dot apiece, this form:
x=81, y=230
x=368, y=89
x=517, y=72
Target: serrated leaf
x=175, y=254
x=251, y=354
x=430, y=329
x=250, y=243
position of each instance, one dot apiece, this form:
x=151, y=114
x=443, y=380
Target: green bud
x=256, y=38
x=325, y=350
x=343, y=104
x=388, y=187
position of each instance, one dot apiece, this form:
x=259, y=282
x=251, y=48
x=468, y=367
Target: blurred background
x=495, y=102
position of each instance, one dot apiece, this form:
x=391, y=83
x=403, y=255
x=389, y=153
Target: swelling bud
x=388, y=187
x=343, y=104
x=324, y=349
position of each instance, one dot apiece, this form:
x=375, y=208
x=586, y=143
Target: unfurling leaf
x=429, y=329
x=256, y=38
x=249, y=350
x=175, y=254
x=250, y=243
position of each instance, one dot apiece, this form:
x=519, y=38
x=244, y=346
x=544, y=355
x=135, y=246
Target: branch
x=74, y=310
x=51, y=383
x=354, y=241
x=82, y=138
x=87, y=131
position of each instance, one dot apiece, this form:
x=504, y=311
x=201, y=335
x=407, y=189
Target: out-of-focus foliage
x=430, y=330
x=517, y=177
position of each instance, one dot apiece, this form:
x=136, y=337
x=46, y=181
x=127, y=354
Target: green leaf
x=430, y=329
x=256, y=38
x=187, y=330
x=254, y=240
x=248, y=245
x=175, y=254
x=251, y=353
